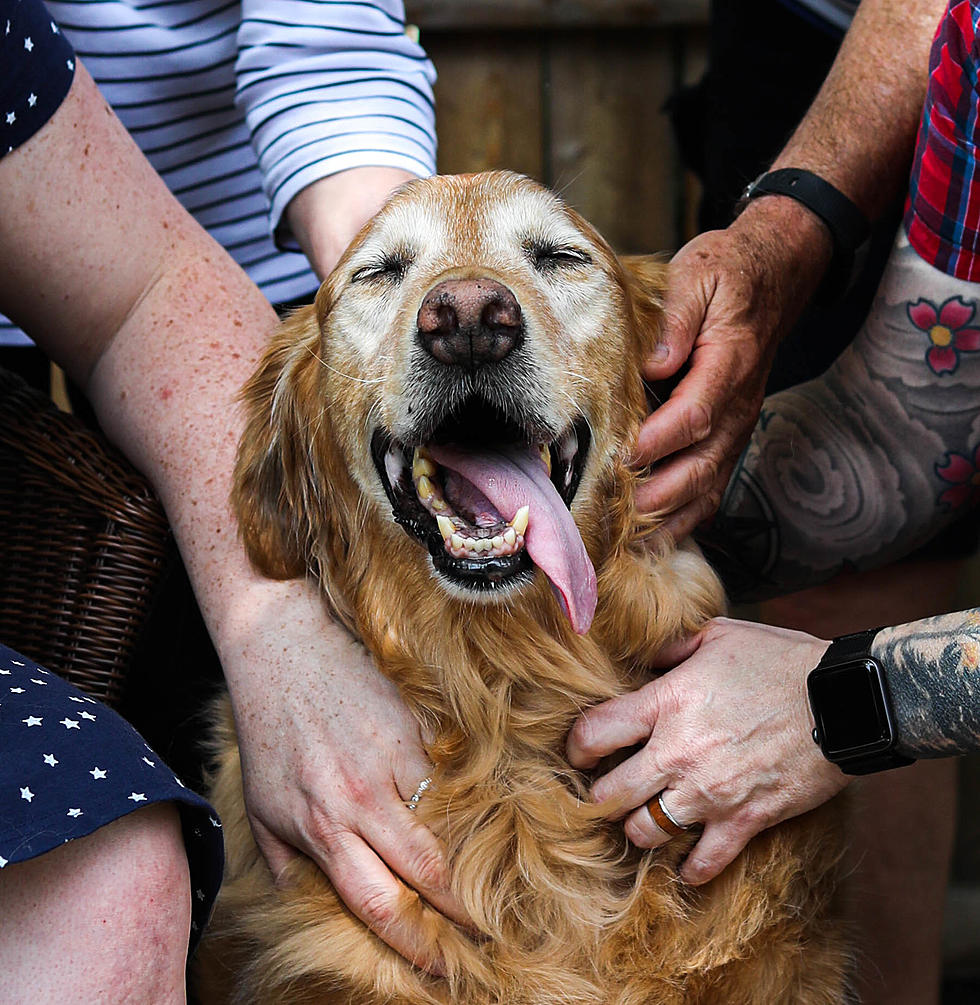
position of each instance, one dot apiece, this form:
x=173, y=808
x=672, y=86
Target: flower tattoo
x=947, y=330
x=963, y=476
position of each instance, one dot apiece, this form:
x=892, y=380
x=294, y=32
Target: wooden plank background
x=570, y=93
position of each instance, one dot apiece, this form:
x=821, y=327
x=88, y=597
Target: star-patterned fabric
x=69, y=765
x=37, y=65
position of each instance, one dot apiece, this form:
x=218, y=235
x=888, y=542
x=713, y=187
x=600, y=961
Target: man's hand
x=726, y=737
x=330, y=755
x=732, y=295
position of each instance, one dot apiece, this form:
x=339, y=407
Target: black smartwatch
x=848, y=226
x=851, y=708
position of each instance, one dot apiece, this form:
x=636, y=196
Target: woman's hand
x=726, y=738
x=330, y=755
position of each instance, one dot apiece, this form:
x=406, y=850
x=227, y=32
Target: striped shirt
x=240, y=105
x=942, y=214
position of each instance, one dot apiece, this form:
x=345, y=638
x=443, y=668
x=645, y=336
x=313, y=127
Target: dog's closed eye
x=547, y=255
x=391, y=267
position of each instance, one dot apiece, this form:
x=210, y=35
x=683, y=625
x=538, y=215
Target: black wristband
x=850, y=705
x=848, y=226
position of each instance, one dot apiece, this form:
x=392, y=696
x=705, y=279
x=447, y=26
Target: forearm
x=860, y=130
x=868, y=461
x=325, y=216
x=327, y=88
x=933, y=672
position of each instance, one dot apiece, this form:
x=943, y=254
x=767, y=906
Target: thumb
x=277, y=854
x=673, y=653
x=685, y=308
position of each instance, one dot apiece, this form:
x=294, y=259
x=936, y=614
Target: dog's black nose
x=470, y=322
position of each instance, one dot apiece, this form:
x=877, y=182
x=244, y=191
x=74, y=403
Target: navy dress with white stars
x=68, y=764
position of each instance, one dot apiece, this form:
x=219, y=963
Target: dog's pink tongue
x=515, y=478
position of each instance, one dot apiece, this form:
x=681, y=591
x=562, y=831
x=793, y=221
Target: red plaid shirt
x=942, y=214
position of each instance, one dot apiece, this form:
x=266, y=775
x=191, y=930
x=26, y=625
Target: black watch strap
x=857, y=646
x=849, y=647
x=848, y=226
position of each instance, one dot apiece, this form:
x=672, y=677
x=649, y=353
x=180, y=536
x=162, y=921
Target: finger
x=696, y=477
x=682, y=523
x=716, y=849
x=685, y=308
x=413, y=852
x=642, y=828
x=683, y=420
x=673, y=653
x=620, y=722
x=388, y=907
x=277, y=853
x=631, y=784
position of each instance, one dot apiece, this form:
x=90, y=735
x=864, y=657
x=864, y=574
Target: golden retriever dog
x=443, y=440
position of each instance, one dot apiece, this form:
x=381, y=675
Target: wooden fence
x=570, y=92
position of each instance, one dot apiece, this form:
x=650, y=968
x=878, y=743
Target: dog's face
x=476, y=354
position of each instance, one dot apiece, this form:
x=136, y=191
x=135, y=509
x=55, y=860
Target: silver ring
x=419, y=792
x=663, y=818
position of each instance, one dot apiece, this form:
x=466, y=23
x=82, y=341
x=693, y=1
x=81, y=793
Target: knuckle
x=583, y=735
x=637, y=834
x=324, y=831
x=428, y=869
x=380, y=908
x=698, y=420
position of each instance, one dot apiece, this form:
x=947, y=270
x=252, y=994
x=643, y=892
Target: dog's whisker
x=340, y=373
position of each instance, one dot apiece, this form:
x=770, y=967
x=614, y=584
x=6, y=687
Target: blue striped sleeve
x=327, y=85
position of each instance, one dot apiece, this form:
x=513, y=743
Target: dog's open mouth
x=489, y=509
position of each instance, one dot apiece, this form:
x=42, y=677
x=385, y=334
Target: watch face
x=849, y=708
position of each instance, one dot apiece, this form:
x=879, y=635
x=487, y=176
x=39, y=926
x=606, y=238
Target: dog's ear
x=646, y=282
x=273, y=472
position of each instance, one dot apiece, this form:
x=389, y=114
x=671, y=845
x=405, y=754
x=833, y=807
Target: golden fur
x=567, y=909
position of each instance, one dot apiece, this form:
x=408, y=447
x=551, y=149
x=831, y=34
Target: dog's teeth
x=510, y=537
x=437, y=503
x=497, y=542
x=456, y=541
x=545, y=452
x=519, y=523
x=422, y=466
x=425, y=488
x=446, y=527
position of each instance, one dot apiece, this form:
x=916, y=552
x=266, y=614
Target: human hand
x=726, y=736
x=326, y=216
x=732, y=295
x=330, y=755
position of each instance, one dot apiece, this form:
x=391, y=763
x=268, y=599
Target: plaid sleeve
x=942, y=213
x=37, y=65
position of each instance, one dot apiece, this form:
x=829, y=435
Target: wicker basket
x=84, y=544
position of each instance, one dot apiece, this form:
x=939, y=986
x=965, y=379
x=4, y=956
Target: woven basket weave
x=84, y=544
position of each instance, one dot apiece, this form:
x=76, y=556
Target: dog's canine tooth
x=421, y=465
x=425, y=487
x=519, y=523
x=446, y=527
x=545, y=452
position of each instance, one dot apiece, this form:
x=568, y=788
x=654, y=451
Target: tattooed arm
x=867, y=462
x=933, y=672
